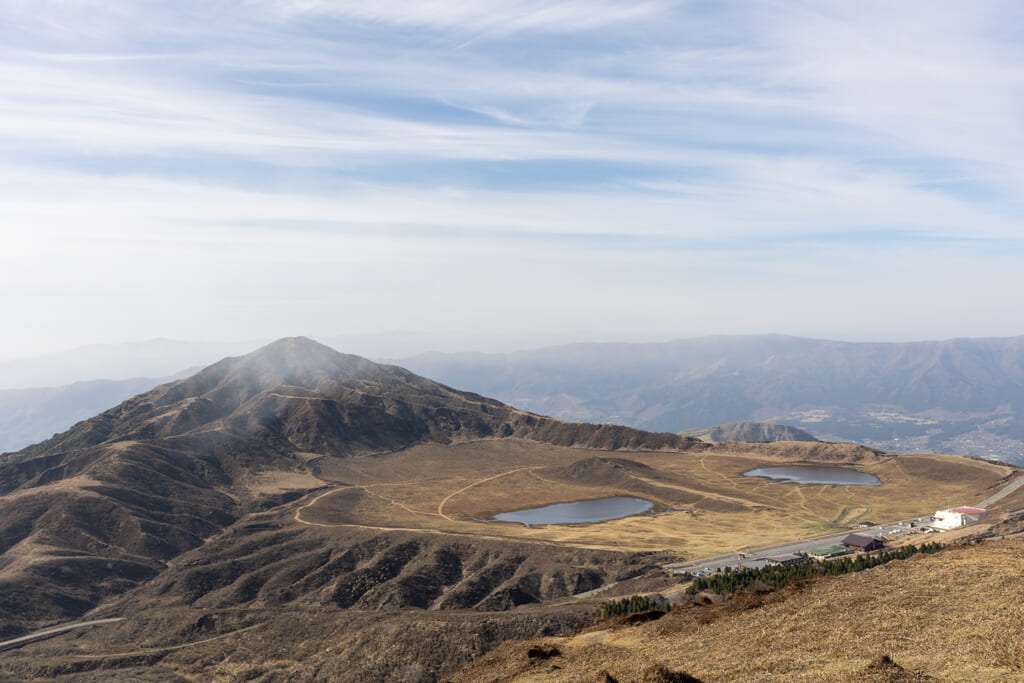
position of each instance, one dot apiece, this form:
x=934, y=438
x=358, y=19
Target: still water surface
x=817, y=474
x=579, y=513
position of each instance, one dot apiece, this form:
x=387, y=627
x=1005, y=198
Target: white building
x=957, y=517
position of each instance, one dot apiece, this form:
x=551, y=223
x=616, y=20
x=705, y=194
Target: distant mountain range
x=152, y=358
x=31, y=415
x=166, y=357
x=960, y=396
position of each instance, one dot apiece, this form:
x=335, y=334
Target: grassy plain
x=704, y=505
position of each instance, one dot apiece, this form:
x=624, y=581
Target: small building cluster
x=854, y=543
x=830, y=551
x=957, y=517
x=862, y=544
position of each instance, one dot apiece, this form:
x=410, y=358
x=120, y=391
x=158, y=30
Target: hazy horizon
x=509, y=175
x=163, y=356
x=390, y=346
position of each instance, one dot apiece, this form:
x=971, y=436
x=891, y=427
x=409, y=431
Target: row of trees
x=630, y=605
x=776, y=576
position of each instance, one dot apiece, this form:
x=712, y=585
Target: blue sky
x=509, y=174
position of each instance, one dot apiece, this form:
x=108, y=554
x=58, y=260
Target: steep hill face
x=270, y=564
x=961, y=395
x=751, y=432
x=105, y=505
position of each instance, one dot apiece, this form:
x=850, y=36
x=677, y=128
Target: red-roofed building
x=957, y=517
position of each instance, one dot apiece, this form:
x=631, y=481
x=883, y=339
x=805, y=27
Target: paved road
x=46, y=633
x=1006, y=490
x=793, y=547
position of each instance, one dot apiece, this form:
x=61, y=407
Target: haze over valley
x=961, y=396
x=956, y=396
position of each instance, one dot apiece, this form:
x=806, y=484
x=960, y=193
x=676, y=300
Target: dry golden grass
x=276, y=481
x=953, y=616
x=705, y=505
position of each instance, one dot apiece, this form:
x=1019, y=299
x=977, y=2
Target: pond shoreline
x=815, y=474
x=580, y=512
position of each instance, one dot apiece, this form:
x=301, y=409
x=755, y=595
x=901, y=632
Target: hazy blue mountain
x=31, y=415
x=959, y=395
x=152, y=358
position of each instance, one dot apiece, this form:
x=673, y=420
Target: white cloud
x=496, y=17
x=934, y=78
x=248, y=170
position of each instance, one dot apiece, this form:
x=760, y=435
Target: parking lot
x=733, y=560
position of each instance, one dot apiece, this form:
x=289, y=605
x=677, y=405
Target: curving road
x=52, y=631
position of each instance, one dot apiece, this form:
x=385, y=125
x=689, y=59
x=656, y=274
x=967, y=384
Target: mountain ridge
x=122, y=493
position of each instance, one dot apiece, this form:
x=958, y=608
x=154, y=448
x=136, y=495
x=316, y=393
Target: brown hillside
x=953, y=616
x=269, y=563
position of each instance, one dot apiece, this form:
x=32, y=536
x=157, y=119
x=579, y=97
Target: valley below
x=704, y=504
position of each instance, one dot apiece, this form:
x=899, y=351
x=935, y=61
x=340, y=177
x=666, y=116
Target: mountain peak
x=294, y=348
x=297, y=361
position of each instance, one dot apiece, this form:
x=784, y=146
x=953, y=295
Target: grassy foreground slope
x=953, y=616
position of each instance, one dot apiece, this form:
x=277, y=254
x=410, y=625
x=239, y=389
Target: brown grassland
x=952, y=616
x=704, y=505
x=247, y=604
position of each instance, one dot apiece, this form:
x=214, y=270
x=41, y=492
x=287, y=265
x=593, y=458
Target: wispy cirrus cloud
x=379, y=153
x=494, y=17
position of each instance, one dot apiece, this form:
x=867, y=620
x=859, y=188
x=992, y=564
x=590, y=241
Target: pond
x=817, y=474
x=583, y=512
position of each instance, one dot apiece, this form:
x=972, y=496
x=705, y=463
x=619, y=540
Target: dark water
x=817, y=474
x=578, y=513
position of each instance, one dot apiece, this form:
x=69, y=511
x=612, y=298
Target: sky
x=495, y=175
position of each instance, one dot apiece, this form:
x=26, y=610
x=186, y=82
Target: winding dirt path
x=298, y=510
x=440, y=506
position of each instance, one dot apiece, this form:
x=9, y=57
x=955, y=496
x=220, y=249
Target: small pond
x=579, y=513
x=817, y=474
